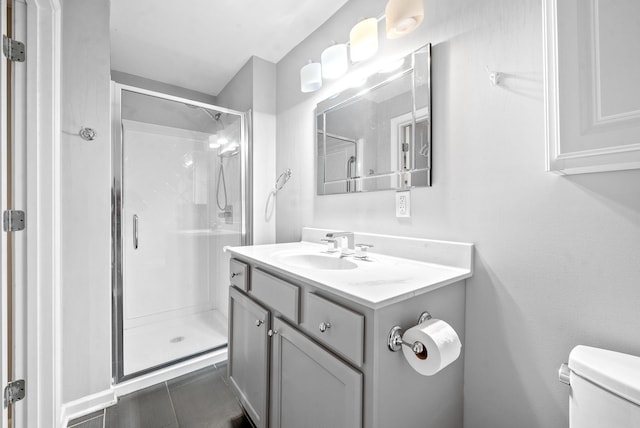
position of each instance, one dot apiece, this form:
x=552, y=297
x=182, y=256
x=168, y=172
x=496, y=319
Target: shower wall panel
x=166, y=185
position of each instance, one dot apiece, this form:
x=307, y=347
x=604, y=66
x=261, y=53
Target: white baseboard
x=85, y=405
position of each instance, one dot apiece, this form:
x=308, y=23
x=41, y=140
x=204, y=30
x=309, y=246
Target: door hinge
x=13, y=221
x=14, y=391
x=13, y=49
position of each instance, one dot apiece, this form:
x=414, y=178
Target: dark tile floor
x=197, y=400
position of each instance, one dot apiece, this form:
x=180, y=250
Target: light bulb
x=334, y=61
x=364, y=39
x=311, y=77
x=403, y=16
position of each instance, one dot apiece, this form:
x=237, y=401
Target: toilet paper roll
x=441, y=342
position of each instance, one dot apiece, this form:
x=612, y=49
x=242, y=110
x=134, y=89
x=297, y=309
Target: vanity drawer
x=239, y=274
x=340, y=328
x=280, y=295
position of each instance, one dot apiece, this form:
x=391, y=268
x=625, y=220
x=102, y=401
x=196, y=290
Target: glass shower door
x=180, y=204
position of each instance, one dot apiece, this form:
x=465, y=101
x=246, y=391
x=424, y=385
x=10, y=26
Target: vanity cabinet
x=302, y=356
x=248, y=366
x=308, y=383
x=311, y=387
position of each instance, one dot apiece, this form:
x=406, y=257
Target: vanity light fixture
x=403, y=16
x=311, y=77
x=334, y=61
x=363, y=39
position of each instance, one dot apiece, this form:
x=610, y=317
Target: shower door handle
x=135, y=231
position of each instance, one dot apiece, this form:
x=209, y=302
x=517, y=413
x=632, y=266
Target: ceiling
x=201, y=44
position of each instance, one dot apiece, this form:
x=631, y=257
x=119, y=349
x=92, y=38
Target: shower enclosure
x=179, y=197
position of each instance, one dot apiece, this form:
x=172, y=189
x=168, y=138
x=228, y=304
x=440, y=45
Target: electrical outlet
x=403, y=203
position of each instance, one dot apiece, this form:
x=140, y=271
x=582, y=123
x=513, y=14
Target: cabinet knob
x=234, y=274
x=324, y=326
x=272, y=333
x=259, y=323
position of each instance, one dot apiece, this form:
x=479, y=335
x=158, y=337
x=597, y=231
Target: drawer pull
x=259, y=323
x=324, y=326
x=234, y=274
x=272, y=333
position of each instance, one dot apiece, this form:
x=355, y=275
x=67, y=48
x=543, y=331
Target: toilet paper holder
x=395, y=341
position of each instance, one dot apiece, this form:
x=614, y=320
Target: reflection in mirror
x=378, y=136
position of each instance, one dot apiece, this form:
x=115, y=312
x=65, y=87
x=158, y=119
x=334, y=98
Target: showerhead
x=216, y=117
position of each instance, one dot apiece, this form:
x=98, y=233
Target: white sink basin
x=316, y=261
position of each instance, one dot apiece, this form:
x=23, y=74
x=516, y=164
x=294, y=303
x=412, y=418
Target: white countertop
x=375, y=283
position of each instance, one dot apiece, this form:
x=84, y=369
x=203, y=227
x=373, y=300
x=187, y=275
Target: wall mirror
x=376, y=135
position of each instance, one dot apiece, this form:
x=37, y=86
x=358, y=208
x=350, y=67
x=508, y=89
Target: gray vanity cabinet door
x=311, y=387
x=249, y=354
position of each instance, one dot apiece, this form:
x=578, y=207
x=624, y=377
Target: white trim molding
x=101, y=400
x=43, y=214
x=86, y=405
x=608, y=149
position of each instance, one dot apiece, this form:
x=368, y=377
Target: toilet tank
x=605, y=389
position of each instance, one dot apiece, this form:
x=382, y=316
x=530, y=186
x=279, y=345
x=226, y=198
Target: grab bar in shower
x=135, y=231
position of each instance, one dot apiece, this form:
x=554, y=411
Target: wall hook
x=87, y=134
x=494, y=76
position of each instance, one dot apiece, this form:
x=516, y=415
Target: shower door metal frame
x=117, y=210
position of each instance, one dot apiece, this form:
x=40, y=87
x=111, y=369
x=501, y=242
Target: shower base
x=157, y=344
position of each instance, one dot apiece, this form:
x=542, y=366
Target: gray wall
x=86, y=200
x=254, y=87
x=238, y=93
x=557, y=258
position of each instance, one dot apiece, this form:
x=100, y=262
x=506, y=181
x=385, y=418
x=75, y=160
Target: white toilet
x=605, y=388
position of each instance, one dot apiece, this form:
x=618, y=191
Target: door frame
x=43, y=280
x=17, y=200
x=4, y=280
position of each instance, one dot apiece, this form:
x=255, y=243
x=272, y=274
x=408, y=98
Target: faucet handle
x=361, y=250
x=331, y=244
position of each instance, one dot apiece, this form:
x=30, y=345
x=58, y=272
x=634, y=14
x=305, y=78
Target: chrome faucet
x=348, y=235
